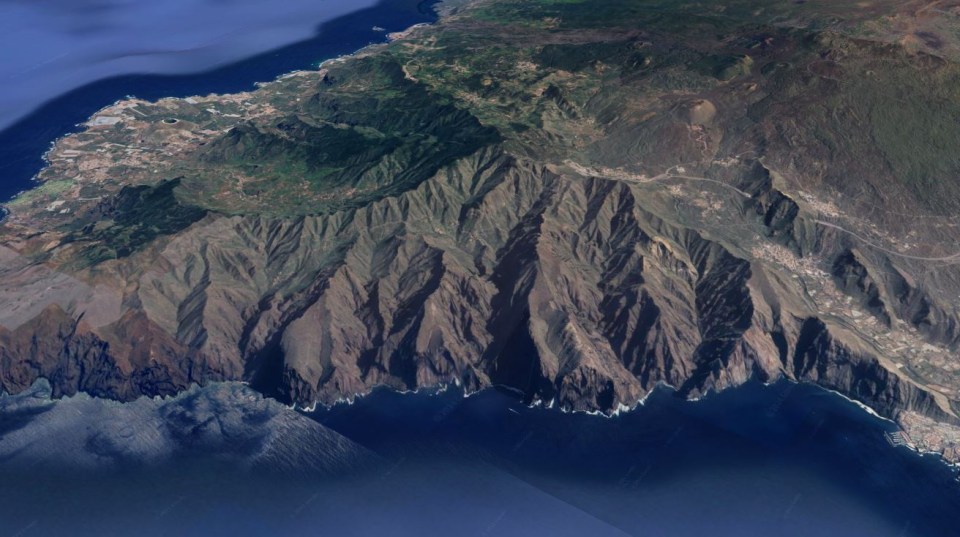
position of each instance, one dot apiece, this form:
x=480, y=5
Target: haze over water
x=48, y=47
x=62, y=60
x=786, y=460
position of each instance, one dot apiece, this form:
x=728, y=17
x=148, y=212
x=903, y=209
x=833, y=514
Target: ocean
x=787, y=460
x=168, y=49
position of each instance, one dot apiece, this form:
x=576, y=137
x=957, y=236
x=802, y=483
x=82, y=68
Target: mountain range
x=575, y=200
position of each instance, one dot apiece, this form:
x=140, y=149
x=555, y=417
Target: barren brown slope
x=575, y=201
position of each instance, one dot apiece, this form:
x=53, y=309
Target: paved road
x=668, y=175
x=952, y=257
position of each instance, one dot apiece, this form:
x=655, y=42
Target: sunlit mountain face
x=480, y=267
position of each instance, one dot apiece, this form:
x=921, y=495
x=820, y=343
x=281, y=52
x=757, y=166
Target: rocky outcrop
x=123, y=360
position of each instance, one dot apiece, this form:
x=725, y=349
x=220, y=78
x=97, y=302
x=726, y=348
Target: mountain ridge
x=604, y=201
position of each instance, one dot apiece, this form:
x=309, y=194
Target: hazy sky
x=48, y=47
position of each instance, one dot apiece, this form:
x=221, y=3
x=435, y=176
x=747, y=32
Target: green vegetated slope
x=859, y=118
x=132, y=219
x=368, y=132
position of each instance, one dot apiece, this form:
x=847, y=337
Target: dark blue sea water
x=23, y=143
x=784, y=460
x=48, y=47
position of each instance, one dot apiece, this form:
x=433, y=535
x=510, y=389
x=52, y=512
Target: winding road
x=632, y=178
